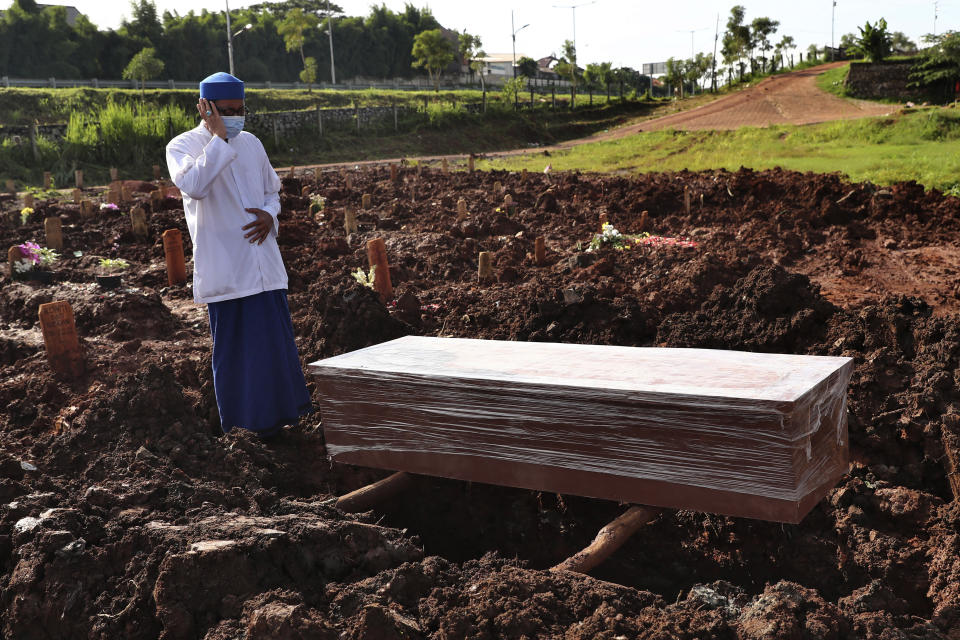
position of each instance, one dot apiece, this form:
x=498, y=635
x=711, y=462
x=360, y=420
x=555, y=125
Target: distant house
x=499, y=66
x=72, y=12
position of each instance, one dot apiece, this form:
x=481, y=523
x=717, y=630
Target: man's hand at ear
x=259, y=228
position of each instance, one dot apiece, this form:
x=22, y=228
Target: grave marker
x=156, y=199
x=86, y=209
x=126, y=194
x=377, y=256
x=603, y=220
x=366, y=201
x=540, y=250
x=113, y=174
x=13, y=257
x=156, y=172
x=138, y=219
x=115, y=195
x=394, y=173
x=305, y=190
x=643, y=220
x=470, y=163
x=173, y=252
x=461, y=207
x=445, y=167
x=78, y=176
x=484, y=266
x=497, y=187
x=77, y=196
x=11, y=187
x=53, y=228
x=28, y=200
x=523, y=176
x=47, y=179
x=60, y=338
x=349, y=220
x=349, y=181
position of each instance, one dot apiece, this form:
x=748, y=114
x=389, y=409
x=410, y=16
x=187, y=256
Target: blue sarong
x=256, y=370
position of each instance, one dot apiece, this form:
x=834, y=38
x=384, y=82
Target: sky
x=624, y=32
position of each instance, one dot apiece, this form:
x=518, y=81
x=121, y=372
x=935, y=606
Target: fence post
x=320, y=119
x=554, y=88
x=396, y=124
x=276, y=133
x=356, y=110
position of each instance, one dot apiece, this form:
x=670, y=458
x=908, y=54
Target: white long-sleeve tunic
x=219, y=180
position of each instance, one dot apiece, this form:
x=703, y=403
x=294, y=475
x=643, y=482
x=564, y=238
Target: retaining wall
x=887, y=80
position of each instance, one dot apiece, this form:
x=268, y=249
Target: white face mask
x=234, y=125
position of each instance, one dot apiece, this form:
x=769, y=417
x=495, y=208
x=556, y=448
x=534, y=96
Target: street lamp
x=231, y=35
x=333, y=72
x=833, y=20
x=574, y=7
x=515, y=32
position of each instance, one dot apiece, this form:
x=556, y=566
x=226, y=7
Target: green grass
x=921, y=145
x=832, y=81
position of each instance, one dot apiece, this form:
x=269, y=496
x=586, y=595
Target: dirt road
x=791, y=98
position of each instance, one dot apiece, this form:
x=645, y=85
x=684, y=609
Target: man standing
x=231, y=201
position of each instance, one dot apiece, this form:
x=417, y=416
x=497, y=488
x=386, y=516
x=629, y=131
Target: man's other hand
x=259, y=228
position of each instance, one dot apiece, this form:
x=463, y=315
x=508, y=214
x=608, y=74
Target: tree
x=143, y=66
x=874, y=42
x=145, y=28
x=527, y=67
x=674, y=75
x=567, y=66
x=598, y=76
x=309, y=74
x=785, y=46
x=902, y=45
x=736, y=39
x=471, y=54
x=433, y=52
x=293, y=28
x=938, y=66
x=761, y=29
x=813, y=53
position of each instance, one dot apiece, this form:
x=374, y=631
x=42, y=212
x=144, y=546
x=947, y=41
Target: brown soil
x=124, y=513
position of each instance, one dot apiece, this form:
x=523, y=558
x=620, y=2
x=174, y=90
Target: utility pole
x=936, y=10
x=514, y=33
x=574, y=8
x=229, y=37
x=833, y=20
x=333, y=71
x=716, y=37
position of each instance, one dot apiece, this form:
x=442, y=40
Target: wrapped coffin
x=744, y=434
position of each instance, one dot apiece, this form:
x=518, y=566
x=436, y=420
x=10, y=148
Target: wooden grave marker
x=157, y=174
x=394, y=172
x=461, y=208
x=539, y=250
x=173, y=252
x=11, y=186
x=445, y=166
x=77, y=196
x=78, y=177
x=47, y=179
x=484, y=267
x=349, y=220
x=114, y=174
x=366, y=201
x=13, y=257
x=86, y=209
x=377, y=256
x=28, y=200
x=60, y=338
x=470, y=163
x=523, y=176
x=138, y=219
x=53, y=229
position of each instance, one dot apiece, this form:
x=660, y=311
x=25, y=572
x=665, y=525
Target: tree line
x=38, y=42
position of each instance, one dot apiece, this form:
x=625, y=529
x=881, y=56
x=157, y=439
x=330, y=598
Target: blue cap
x=221, y=86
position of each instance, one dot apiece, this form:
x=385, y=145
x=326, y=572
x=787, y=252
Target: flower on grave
x=36, y=255
x=108, y=205
x=25, y=214
x=608, y=237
